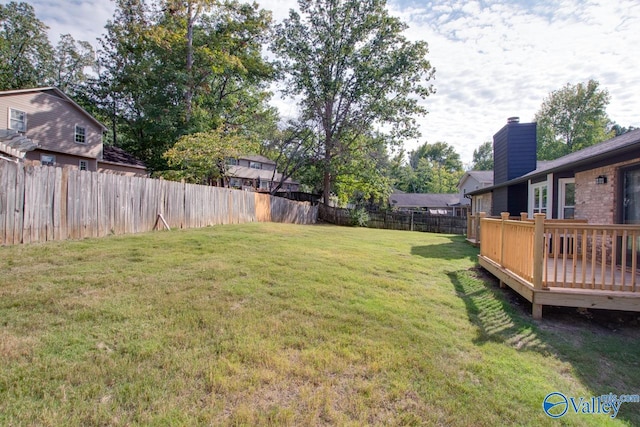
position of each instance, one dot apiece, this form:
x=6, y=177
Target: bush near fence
x=41, y=203
x=410, y=221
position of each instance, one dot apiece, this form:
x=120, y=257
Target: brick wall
x=597, y=203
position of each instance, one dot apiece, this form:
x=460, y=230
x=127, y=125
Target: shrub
x=359, y=217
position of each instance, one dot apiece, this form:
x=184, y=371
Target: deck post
x=504, y=216
x=479, y=218
x=538, y=259
x=469, y=225
x=523, y=216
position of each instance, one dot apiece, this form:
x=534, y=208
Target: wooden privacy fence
x=411, y=221
x=41, y=203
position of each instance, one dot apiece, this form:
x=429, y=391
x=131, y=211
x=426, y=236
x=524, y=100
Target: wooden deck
x=574, y=274
x=590, y=266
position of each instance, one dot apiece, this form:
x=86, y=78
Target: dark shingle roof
x=118, y=155
x=596, y=152
x=257, y=158
x=613, y=147
x=423, y=200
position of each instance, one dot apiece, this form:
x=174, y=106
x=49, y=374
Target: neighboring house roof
x=423, y=200
x=251, y=173
x=117, y=155
x=613, y=147
x=55, y=92
x=257, y=158
x=15, y=143
x=483, y=177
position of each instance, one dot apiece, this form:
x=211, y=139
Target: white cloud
x=493, y=59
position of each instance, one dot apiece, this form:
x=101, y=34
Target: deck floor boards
x=592, y=276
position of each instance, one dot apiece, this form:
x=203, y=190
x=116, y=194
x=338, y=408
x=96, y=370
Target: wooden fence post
x=504, y=216
x=538, y=260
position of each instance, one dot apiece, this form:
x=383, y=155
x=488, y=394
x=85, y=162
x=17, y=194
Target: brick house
x=600, y=184
x=45, y=125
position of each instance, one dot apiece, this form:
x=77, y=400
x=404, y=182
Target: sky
x=493, y=59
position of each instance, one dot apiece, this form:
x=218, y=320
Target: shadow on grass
x=494, y=317
x=454, y=249
x=601, y=345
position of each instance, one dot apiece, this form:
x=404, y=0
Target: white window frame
x=23, y=120
x=479, y=206
x=84, y=163
x=264, y=184
x=561, y=195
x=82, y=136
x=235, y=182
x=48, y=159
x=532, y=194
x=255, y=165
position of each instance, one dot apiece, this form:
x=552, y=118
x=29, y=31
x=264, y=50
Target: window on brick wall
x=631, y=208
x=566, y=198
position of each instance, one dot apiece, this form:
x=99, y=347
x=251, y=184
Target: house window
x=255, y=165
x=232, y=161
x=47, y=159
x=80, y=136
x=235, y=182
x=566, y=198
x=264, y=185
x=631, y=196
x=482, y=204
x=17, y=120
x=540, y=198
x=83, y=165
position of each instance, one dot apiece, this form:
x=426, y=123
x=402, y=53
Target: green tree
x=363, y=177
x=353, y=72
x=291, y=149
x=483, y=157
x=173, y=68
x=26, y=56
x=619, y=130
x=432, y=168
x=439, y=153
x=571, y=119
x=202, y=157
x=71, y=58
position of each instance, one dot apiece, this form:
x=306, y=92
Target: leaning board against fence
x=41, y=203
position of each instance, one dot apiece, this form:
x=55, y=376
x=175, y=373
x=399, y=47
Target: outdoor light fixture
x=602, y=179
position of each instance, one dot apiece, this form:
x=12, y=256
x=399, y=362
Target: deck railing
x=587, y=256
x=564, y=253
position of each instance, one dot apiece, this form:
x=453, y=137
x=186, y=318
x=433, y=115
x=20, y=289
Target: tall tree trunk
x=188, y=96
x=114, y=122
x=326, y=182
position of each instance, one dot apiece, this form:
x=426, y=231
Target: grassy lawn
x=273, y=324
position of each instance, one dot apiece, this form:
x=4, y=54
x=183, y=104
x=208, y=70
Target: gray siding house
x=45, y=125
x=63, y=133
